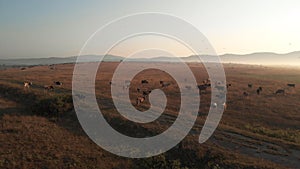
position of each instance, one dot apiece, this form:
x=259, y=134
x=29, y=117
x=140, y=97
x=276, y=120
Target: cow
x=250, y=85
x=257, y=91
x=202, y=87
x=146, y=93
x=291, y=85
x=280, y=91
x=188, y=87
x=27, y=84
x=164, y=84
x=48, y=88
x=144, y=82
x=245, y=94
x=51, y=67
x=140, y=100
x=205, y=81
x=127, y=81
x=58, y=83
x=220, y=87
x=224, y=106
x=207, y=84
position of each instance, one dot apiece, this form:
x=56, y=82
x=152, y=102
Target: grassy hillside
x=39, y=129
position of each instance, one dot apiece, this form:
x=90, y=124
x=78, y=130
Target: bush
x=160, y=162
x=53, y=106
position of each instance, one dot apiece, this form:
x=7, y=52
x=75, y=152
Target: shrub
x=160, y=162
x=53, y=106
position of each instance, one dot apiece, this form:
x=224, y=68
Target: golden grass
x=266, y=124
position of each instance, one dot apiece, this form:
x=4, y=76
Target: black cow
x=58, y=83
x=291, y=85
x=280, y=91
x=202, y=87
x=250, y=85
x=144, y=82
x=146, y=93
x=257, y=91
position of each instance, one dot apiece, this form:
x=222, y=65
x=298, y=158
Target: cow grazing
x=260, y=88
x=48, y=88
x=140, y=100
x=291, y=85
x=144, y=82
x=257, y=91
x=280, y=91
x=220, y=87
x=27, y=84
x=206, y=81
x=202, y=87
x=250, y=85
x=146, y=93
x=164, y=84
x=224, y=106
x=58, y=83
x=245, y=94
x=188, y=87
x=207, y=84
x=127, y=81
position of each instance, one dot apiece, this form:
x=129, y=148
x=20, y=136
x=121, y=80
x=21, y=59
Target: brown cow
x=48, y=88
x=140, y=100
x=246, y=94
x=280, y=91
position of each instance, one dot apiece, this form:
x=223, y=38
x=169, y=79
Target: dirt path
x=249, y=146
x=257, y=148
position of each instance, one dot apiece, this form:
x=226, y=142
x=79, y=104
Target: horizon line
x=49, y=57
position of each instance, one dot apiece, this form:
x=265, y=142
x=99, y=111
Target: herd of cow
x=28, y=84
x=203, y=88
x=279, y=91
x=144, y=93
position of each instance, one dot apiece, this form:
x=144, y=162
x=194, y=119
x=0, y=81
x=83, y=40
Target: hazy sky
x=47, y=28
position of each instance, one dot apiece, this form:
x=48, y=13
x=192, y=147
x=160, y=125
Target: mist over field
x=264, y=58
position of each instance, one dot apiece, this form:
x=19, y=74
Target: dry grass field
x=39, y=129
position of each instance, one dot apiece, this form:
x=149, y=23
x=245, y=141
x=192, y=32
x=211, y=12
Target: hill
x=263, y=58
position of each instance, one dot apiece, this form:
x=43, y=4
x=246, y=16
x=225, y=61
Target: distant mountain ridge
x=263, y=58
